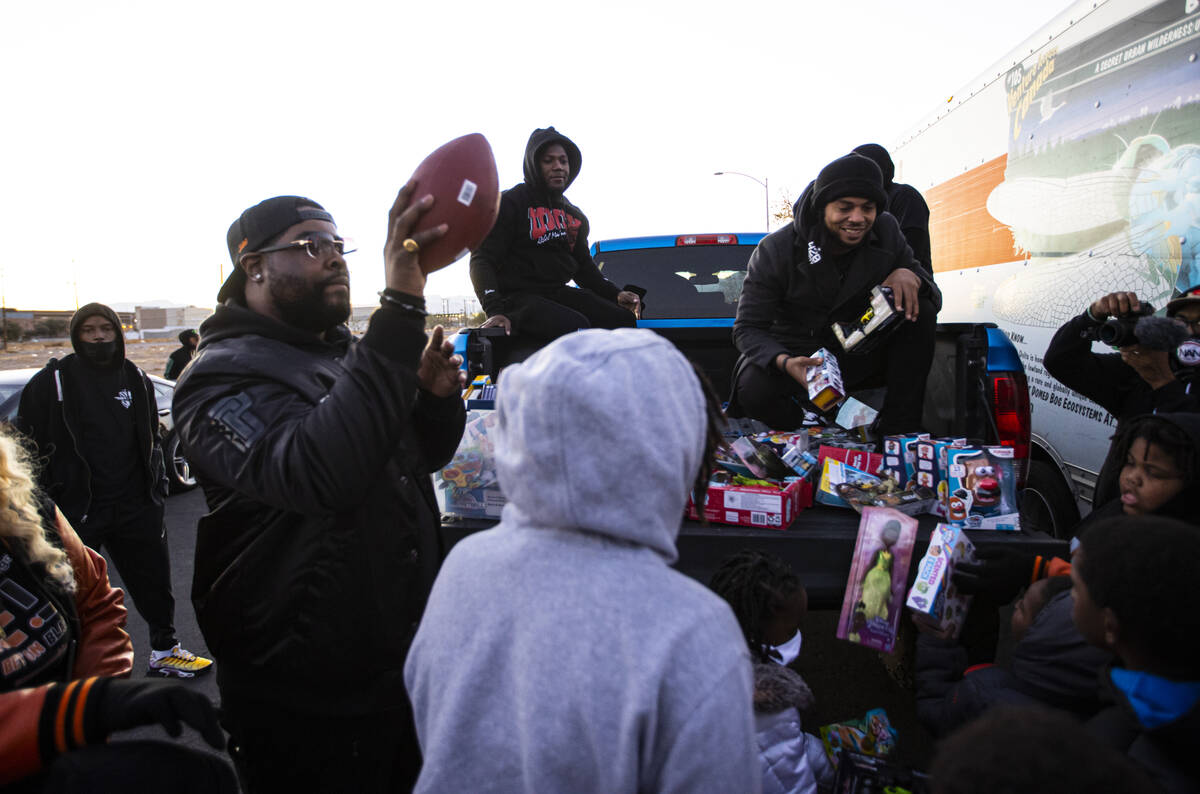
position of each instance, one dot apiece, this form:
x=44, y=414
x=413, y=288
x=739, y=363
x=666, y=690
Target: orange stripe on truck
x=961, y=232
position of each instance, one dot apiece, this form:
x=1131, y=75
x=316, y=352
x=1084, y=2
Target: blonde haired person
x=62, y=645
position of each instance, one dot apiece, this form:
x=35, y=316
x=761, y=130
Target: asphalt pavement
x=182, y=513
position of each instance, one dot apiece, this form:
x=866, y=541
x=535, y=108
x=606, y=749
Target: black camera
x=1120, y=331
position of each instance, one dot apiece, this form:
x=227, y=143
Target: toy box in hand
x=769, y=506
x=874, y=598
x=471, y=487
x=900, y=458
x=825, y=389
x=872, y=735
x=982, y=488
x=934, y=599
x=880, y=317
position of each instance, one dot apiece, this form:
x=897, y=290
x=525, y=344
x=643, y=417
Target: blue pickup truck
x=976, y=389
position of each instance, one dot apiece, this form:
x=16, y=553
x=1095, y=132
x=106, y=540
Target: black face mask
x=99, y=353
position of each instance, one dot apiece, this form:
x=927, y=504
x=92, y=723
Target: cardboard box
x=933, y=598
x=900, y=457
x=825, y=389
x=870, y=462
x=930, y=467
x=754, y=505
x=982, y=488
x=486, y=502
x=833, y=474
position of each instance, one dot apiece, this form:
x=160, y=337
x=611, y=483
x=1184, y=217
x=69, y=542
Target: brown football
x=461, y=176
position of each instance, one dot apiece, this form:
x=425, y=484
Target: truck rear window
x=681, y=281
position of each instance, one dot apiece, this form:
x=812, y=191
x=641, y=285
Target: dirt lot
x=150, y=356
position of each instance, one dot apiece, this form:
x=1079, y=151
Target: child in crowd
x=1030, y=749
x=952, y=692
x=1134, y=593
x=559, y=650
x=770, y=603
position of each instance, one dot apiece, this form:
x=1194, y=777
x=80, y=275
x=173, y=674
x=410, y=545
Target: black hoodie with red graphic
x=539, y=241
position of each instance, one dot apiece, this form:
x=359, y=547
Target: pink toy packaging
x=875, y=592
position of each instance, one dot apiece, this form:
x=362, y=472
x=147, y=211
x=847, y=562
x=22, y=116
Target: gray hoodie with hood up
x=559, y=651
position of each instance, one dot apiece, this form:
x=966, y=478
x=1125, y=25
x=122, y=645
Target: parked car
x=179, y=473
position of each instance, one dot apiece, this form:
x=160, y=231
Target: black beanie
x=258, y=225
x=852, y=175
x=881, y=158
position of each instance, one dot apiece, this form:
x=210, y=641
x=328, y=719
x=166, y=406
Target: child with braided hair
x=769, y=603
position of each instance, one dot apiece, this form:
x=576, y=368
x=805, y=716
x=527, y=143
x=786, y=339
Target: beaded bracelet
x=388, y=298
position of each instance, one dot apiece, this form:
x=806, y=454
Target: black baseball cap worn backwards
x=259, y=225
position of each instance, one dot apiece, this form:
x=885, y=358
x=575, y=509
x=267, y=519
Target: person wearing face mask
x=94, y=420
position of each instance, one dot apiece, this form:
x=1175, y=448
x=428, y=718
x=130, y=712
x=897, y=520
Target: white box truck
x=1069, y=170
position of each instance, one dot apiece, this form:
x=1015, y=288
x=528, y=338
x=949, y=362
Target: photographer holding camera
x=1145, y=376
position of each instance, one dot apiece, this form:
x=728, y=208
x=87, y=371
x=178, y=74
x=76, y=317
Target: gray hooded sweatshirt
x=559, y=652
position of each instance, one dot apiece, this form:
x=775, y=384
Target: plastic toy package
x=879, y=318
x=981, y=488
x=872, y=735
x=934, y=599
x=931, y=466
x=825, y=389
x=835, y=474
x=874, y=600
x=469, y=479
x=912, y=501
x=900, y=458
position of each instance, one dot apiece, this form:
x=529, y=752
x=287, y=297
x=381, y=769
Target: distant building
x=165, y=322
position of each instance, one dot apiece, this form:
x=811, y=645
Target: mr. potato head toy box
x=981, y=488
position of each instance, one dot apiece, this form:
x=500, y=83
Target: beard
x=305, y=305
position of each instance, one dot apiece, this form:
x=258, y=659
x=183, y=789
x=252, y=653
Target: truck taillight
x=1010, y=402
x=706, y=239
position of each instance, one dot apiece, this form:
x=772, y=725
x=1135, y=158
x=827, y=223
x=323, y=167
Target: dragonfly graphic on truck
x=1073, y=171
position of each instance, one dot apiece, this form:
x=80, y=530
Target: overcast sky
x=135, y=132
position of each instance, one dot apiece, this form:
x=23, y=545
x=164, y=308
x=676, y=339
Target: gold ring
x=411, y=245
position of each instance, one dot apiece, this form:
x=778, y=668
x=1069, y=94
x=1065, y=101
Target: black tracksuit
x=539, y=243
x=793, y=292
x=96, y=430
x=313, y=566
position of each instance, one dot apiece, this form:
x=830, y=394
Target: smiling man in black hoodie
x=538, y=244
x=94, y=420
x=819, y=269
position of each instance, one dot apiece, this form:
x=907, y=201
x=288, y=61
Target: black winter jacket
x=1108, y=381
x=313, y=566
x=540, y=240
x=792, y=294
x=1167, y=752
x=48, y=414
x=1052, y=665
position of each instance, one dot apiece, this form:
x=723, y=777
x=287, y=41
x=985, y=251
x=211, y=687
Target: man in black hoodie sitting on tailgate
x=94, y=420
x=538, y=244
x=820, y=269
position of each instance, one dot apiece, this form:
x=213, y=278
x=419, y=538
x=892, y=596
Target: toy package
x=732, y=499
x=471, y=486
x=900, y=458
x=875, y=590
x=930, y=467
x=825, y=389
x=855, y=414
x=834, y=473
x=863, y=460
x=912, y=501
x=879, y=318
x=872, y=735
x=934, y=599
x=981, y=486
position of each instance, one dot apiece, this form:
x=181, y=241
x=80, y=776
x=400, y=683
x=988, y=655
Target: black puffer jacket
x=1052, y=665
x=49, y=414
x=540, y=240
x=313, y=566
x=792, y=293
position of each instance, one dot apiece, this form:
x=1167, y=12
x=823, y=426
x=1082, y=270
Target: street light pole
x=765, y=186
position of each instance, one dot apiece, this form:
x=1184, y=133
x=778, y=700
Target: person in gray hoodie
x=559, y=651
